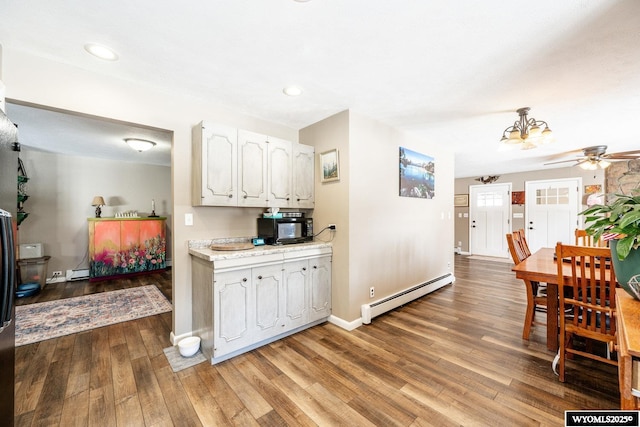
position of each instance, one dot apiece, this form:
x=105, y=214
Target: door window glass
x=488, y=199
x=552, y=196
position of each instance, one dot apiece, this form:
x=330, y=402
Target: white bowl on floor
x=189, y=346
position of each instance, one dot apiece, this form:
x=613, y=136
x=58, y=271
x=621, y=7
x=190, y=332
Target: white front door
x=489, y=213
x=551, y=212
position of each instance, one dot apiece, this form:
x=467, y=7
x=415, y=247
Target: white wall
x=391, y=242
x=60, y=191
x=332, y=202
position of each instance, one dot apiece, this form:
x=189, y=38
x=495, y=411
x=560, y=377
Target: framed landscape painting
x=330, y=166
x=417, y=175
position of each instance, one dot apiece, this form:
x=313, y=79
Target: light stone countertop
x=200, y=249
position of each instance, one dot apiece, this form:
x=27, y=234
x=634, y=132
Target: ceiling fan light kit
x=527, y=132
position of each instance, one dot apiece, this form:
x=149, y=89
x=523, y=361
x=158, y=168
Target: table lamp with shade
x=97, y=202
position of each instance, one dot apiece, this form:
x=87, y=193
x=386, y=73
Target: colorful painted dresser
x=126, y=246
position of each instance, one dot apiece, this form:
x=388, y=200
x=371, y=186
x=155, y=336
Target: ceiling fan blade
x=622, y=153
x=616, y=157
x=565, y=161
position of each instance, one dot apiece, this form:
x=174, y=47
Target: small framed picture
x=330, y=166
x=517, y=198
x=461, y=200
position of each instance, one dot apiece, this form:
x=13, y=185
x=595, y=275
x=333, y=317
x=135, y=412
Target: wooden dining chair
x=588, y=301
x=520, y=235
x=584, y=239
x=535, y=300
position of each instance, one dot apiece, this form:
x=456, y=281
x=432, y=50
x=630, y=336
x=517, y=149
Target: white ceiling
x=63, y=132
x=452, y=72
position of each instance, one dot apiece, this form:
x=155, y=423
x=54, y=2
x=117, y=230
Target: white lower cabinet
x=320, y=305
x=267, y=301
x=296, y=293
x=239, y=306
x=233, y=316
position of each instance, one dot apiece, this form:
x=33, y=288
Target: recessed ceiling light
x=292, y=91
x=100, y=51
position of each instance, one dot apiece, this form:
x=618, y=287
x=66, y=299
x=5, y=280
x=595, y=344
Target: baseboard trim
x=176, y=338
x=349, y=326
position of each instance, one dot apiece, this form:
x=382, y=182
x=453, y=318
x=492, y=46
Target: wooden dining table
x=542, y=267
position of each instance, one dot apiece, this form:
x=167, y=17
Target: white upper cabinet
x=252, y=169
x=235, y=167
x=215, y=163
x=280, y=176
x=303, y=176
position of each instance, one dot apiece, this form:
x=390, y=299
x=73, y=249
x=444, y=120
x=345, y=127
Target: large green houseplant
x=618, y=221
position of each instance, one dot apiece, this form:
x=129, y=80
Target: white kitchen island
x=248, y=298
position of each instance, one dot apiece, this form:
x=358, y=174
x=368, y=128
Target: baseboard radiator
x=376, y=308
x=77, y=274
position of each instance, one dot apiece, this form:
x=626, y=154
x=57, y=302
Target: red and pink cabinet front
x=126, y=246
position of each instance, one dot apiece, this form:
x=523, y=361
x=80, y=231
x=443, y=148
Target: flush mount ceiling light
x=526, y=132
x=100, y=51
x=292, y=91
x=139, y=144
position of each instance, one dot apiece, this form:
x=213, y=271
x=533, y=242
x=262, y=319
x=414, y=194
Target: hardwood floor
x=454, y=357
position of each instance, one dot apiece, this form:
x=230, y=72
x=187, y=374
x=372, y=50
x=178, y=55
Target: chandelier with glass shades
x=526, y=132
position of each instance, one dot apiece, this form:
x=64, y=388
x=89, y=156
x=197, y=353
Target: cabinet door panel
x=296, y=305
x=303, y=176
x=267, y=282
x=279, y=173
x=252, y=170
x=320, y=287
x=219, y=165
x=232, y=311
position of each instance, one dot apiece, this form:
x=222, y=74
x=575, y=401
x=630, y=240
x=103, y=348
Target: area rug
x=490, y=258
x=53, y=319
x=178, y=362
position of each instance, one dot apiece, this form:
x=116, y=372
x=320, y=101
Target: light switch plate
x=188, y=219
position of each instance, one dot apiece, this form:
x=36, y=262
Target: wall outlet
x=371, y=292
x=57, y=274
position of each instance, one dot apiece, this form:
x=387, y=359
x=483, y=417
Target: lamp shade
x=98, y=201
x=139, y=144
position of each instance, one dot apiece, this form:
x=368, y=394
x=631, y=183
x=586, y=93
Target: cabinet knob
x=304, y=268
x=315, y=266
x=245, y=196
x=259, y=277
x=230, y=195
x=244, y=279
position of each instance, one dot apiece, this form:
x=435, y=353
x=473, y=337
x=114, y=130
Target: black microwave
x=282, y=231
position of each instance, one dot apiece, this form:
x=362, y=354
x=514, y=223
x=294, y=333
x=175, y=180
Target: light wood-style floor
x=454, y=357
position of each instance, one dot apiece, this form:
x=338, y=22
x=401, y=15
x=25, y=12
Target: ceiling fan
x=596, y=157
